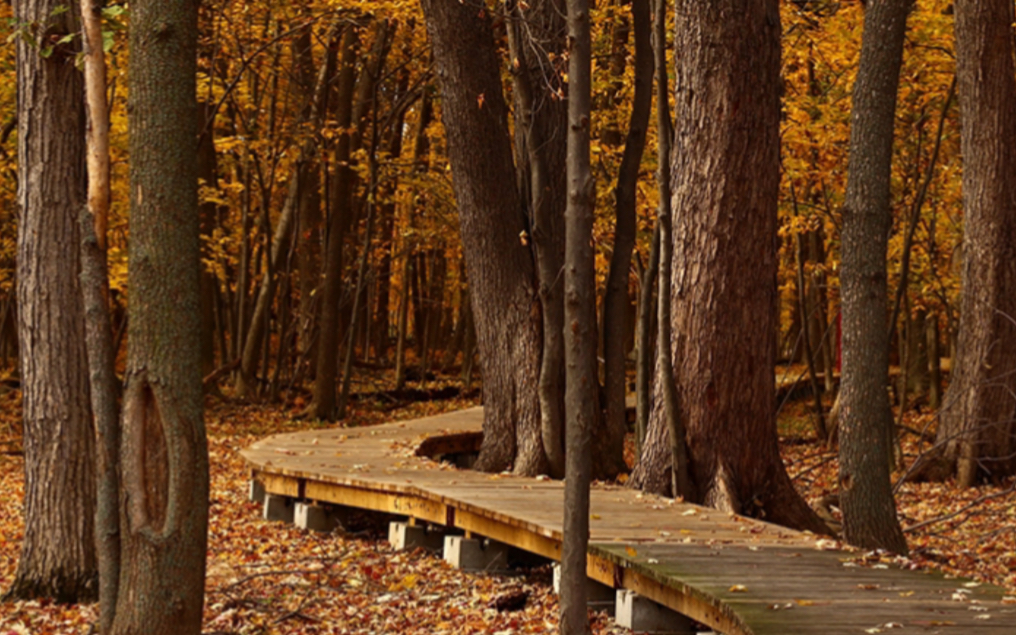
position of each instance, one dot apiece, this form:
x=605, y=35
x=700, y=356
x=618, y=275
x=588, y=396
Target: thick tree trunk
x=726, y=181
x=536, y=32
x=58, y=557
x=499, y=265
x=580, y=338
x=865, y=417
x=616, y=302
x=164, y=508
x=977, y=423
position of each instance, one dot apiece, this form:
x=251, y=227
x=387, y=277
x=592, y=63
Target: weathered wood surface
x=735, y=574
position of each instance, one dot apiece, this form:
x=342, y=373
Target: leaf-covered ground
x=268, y=578
x=969, y=533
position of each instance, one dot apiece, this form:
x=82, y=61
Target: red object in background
x=839, y=342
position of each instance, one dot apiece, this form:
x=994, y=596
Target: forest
x=756, y=256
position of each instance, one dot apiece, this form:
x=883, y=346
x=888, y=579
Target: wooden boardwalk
x=734, y=574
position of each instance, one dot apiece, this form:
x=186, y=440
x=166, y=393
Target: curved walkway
x=734, y=574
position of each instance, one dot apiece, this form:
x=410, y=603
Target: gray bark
x=977, y=424
x=865, y=417
x=164, y=506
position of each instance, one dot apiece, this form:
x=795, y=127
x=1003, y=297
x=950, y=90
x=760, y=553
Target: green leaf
x=113, y=11
x=107, y=41
x=60, y=9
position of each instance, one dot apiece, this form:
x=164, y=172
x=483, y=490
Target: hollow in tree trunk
x=164, y=507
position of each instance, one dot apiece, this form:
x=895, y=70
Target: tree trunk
x=305, y=165
x=535, y=33
x=726, y=182
x=644, y=346
x=616, y=302
x=581, y=386
x=977, y=423
x=934, y=363
x=807, y=324
x=104, y=384
x=309, y=205
x=164, y=507
x=58, y=558
x=865, y=417
x=499, y=266
x=341, y=195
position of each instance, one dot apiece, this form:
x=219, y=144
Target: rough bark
x=977, y=426
x=726, y=181
x=580, y=325
x=616, y=302
x=499, y=266
x=58, y=557
x=164, y=507
x=865, y=417
x=535, y=33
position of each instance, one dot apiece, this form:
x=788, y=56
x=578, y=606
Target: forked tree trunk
x=58, y=558
x=499, y=266
x=978, y=428
x=535, y=32
x=164, y=508
x=865, y=417
x=726, y=182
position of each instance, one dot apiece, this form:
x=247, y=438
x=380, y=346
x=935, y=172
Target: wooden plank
x=404, y=504
x=510, y=534
x=279, y=484
x=735, y=574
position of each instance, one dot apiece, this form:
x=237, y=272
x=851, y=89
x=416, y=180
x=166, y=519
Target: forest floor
x=270, y=578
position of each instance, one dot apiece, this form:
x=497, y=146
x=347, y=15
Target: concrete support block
x=645, y=616
x=600, y=597
x=471, y=554
x=315, y=517
x=256, y=492
x=405, y=536
x=278, y=508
